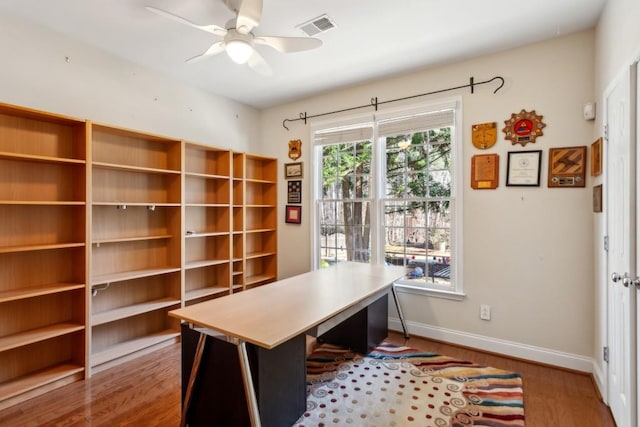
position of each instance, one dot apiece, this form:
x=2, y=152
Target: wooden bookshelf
x=43, y=252
x=104, y=230
x=136, y=245
x=207, y=223
x=259, y=221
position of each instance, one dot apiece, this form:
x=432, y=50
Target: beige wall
x=527, y=251
x=98, y=86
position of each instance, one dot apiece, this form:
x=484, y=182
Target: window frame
x=378, y=188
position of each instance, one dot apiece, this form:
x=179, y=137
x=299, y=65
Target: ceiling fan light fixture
x=239, y=51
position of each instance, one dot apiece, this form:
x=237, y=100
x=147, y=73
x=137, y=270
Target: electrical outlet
x=485, y=312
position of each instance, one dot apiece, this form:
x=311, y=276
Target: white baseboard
x=599, y=377
x=508, y=348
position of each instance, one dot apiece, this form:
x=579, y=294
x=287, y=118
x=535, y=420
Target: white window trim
x=457, y=190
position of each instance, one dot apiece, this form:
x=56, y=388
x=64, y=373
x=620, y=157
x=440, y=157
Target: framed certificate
x=523, y=168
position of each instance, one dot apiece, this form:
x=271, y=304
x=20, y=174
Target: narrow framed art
x=294, y=191
x=597, y=198
x=596, y=157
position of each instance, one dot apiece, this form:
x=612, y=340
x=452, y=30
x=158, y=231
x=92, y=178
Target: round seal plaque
x=523, y=128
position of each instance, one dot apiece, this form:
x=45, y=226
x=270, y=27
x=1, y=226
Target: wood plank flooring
x=146, y=392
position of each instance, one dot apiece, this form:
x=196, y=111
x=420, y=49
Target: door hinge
x=606, y=243
x=606, y=132
x=605, y=354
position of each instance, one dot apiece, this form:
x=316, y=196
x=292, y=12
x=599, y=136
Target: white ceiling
x=373, y=38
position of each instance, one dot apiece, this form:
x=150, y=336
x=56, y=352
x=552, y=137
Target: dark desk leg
x=362, y=331
x=280, y=376
x=219, y=396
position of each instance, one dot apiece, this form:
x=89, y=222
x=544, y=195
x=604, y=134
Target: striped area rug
x=397, y=386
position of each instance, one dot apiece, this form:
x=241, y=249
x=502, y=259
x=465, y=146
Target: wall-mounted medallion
x=523, y=127
x=484, y=135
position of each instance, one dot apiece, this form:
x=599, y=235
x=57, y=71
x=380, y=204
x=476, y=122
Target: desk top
x=272, y=314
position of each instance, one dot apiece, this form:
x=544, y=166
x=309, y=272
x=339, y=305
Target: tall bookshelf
x=136, y=270
x=208, y=264
x=43, y=252
x=260, y=219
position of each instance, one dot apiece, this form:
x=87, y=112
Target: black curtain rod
x=375, y=103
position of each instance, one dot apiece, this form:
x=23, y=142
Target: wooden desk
x=275, y=318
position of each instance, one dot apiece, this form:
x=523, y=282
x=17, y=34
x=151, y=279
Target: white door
x=620, y=199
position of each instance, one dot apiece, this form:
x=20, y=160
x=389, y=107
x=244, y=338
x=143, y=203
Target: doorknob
x=628, y=281
x=615, y=277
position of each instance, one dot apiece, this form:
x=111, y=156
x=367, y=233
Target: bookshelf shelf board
x=40, y=334
x=132, y=310
x=129, y=275
x=36, y=291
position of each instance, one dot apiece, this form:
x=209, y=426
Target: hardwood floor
x=146, y=392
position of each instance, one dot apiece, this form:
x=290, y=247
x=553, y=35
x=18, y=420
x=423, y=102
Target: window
x=387, y=191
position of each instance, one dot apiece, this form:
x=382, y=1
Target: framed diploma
x=523, y=168
x=484, y=171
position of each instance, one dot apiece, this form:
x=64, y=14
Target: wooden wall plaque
x=567, y=167
x=484, y=171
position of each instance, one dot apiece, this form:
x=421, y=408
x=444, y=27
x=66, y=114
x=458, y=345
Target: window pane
x=439, y=214
x=440, y=183
x=363, y=152
x=418, y=235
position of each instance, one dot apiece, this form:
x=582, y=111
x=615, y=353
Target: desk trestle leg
x=245, y=368
x=400, y=315
x=192, y=379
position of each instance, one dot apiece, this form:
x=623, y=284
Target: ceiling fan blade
x=249, y=15
x=212, y=29
x=289, y=44
x=214, y=49
x=259, y=65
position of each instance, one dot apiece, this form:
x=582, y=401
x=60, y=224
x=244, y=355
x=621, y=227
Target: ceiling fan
x=238, y=38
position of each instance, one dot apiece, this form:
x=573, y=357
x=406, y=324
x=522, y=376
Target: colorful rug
x=396, y=386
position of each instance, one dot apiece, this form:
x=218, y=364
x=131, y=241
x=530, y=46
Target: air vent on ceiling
x=317, y=25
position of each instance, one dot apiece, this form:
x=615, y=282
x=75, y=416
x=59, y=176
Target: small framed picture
x=294, y=191
x=523, y=168
x=293, y=214
x=596, y=157
x=293, y=170
x=597, y=198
